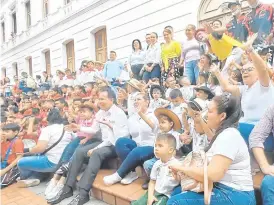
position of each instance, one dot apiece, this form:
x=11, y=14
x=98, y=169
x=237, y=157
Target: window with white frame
x=3, y=31
x=45, y=8
x=14, y=23
x=28, y=14
x=67, y=1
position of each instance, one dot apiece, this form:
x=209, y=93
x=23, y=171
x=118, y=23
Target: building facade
x=47, y=35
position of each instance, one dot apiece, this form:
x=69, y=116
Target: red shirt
x=17, y=148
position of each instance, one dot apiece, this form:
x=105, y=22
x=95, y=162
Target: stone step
x=117, y=194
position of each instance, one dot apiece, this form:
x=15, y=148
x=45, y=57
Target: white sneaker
x=28, y=183
x=55, y=191
x=50, y=187
x=132, y=176
x=112, y=179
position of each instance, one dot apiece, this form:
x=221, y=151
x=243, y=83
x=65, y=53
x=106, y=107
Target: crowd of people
x=176, y=109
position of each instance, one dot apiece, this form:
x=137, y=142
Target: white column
x=36, y=8
x=21, y=17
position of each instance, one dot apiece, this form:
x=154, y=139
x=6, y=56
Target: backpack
x=31, y=83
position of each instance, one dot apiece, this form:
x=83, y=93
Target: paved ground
x=32, y=196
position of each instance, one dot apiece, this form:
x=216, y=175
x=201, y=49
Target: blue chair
x=245, y=130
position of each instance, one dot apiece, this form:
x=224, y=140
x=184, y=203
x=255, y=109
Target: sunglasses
x=249, y=69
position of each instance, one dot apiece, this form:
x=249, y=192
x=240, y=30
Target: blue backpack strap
x=5, y=161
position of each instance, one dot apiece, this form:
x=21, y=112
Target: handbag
x=196, y=159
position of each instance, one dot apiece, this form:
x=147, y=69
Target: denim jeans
x=221, y=195
x=69, y=150
x=35, y=165
x=148, y=165
x=267, y=190
x=155, y=73
x=192, y=71
x=131, y=155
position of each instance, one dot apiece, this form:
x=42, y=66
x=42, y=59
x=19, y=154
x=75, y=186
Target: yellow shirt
x=171, y=50
x=222, y=48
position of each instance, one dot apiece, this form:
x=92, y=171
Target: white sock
x=112, y=179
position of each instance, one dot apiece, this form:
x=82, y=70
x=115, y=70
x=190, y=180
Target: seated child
x=186, y=88
x=169, y=123
x=214, y=85
x=178, y=104
x=171, y=85
x=204, y=93
x=12, y=149
x=161, y=182
x=157, y=101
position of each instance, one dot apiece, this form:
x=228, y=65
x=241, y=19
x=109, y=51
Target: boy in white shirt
x=178, y=104
x=169, y=123
x=157, y=101
x=161, y=182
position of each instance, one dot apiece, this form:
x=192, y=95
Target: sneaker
x=66, y=192
x=132, y=176
x=54, y=191
x=79, y=200
x=28, y=183
x=112, y=179
x=50, y=187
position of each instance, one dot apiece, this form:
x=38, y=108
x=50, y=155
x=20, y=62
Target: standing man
x=111, y=122
x=236, y=27
x=260, y=20
x=148, y=40
x=112, y=68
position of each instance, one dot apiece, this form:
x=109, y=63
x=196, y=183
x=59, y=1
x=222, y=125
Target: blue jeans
x=149, y=164
x=155, y=73
x=192, y=71
x=35, y=165
x=131, y=155
x=221, y=195
x=267, y=190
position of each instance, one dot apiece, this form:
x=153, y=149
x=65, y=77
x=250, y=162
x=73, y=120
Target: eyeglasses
x=249, y=69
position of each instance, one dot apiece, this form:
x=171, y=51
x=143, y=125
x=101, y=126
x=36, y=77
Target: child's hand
x=151, y=200
x=89, y=153
x=84, y=141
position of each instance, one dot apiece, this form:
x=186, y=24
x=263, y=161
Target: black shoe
x=145, y=185
x=79, y=200
x=66, y=192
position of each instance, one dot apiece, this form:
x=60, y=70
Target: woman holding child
x=229, y=168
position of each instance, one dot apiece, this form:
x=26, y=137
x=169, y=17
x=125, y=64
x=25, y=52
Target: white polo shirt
x=165, y=182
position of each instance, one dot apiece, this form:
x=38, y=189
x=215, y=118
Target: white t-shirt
x=154, y=104
x=255, y=100
x=231, y=144
x=199, y=141
x=187, y=92
x=146, y=135
x=52, y=134
x=178, y=110
x=165, y=183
